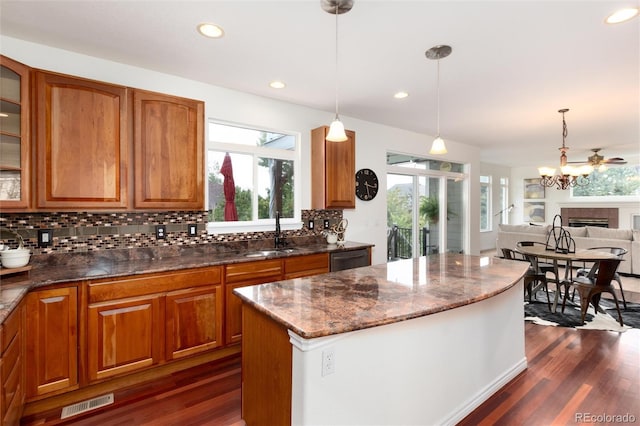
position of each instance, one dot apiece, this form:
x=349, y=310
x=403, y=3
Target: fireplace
x=584, y=216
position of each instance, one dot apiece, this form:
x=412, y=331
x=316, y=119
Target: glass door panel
x=400, y=217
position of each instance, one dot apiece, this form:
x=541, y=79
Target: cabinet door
x=168, y=147
x=124, y=336
x=82, y=143
x=240, y=275
x=14, y=135
x=194, y=321
x=52, y=341
x=333, y=169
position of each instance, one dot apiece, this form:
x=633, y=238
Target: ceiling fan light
x=586, y=169
x=438, y=146
x=336, y=132
x=602, y=168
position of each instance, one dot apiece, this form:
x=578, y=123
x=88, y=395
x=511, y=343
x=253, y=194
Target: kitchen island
x=418, y=341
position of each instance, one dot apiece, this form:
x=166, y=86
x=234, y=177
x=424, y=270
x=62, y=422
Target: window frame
x=489, y=202
x=257, y=152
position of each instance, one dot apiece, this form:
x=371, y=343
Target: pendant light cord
x=438, y=98
x=336, y=58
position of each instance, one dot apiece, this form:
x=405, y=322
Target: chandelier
x=569, y=176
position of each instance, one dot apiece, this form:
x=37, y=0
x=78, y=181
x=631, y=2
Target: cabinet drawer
x=306, y=265
x=10, y=356
x=11, y=382
x=10, y=329
x=254, y=272
x=100, y=291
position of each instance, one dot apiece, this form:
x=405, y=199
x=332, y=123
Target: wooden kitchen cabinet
x=241, y=275
x=82, y=143
x=194, y=321
x=333, y=171
x=51, y=341
x=124, y=336
x=135, y=323
x=168, y=151
x=304, y=266
x=12, y=367
x=15, y=142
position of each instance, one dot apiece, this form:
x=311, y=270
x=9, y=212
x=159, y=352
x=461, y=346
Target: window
x=611, y=181
x=264, y=178
x=485, y=203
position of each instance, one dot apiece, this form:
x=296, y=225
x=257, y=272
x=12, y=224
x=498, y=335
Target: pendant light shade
x=336, y=7
x=438, y=52
x=336, y=131
x=438, y=146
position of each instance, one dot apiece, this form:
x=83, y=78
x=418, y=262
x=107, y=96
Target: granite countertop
x=51, y=269
x=339, y=302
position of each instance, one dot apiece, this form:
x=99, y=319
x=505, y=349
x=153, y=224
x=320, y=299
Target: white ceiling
x=514, y=63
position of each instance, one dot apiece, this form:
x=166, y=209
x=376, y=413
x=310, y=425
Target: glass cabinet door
x=14, y=138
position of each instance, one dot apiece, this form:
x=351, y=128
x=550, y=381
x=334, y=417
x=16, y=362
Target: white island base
x=431, y=370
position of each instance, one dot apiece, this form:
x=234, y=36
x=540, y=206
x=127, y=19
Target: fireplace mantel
x=610, y=214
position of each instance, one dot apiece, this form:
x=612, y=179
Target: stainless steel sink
x=269, y=252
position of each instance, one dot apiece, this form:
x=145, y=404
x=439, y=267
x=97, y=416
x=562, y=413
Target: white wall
x=367, y=222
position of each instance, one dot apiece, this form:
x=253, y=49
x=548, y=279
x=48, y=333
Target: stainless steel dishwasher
x=342, y=260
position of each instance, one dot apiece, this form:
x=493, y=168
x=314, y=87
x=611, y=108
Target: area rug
x=538, y=312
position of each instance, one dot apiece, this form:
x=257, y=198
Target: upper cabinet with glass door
x=14, y=135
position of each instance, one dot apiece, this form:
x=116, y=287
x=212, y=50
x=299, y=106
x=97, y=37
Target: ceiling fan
x=597, y=160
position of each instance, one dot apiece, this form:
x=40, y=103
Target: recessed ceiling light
x=210, y=30
x=277, y=84
x=622, y=15
x=401, y=95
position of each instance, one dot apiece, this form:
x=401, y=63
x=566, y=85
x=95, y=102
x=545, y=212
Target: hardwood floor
x=569, y=372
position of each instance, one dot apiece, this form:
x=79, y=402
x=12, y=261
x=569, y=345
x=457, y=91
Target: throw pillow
x=608, y=233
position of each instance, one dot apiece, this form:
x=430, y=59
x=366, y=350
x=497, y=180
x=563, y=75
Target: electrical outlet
x=326, y=224
x=161, y=232
x=328, y=362
x=192, y=229
x=45, y=237
x=311, y=224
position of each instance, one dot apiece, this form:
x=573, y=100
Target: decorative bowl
x=15, y=258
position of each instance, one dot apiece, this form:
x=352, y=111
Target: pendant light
x=337, y=7
x=437, y=53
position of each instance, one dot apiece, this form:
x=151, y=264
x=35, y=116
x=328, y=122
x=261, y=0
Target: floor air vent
x=88, y=405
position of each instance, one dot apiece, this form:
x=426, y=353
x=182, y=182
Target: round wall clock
x=366, y=184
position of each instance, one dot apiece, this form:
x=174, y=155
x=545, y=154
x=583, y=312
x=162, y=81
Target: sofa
x=585, y=237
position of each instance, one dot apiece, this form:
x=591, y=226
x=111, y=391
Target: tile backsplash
x=88, y=231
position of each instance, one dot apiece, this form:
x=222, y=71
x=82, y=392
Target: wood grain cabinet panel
x=241, y=275
x=333, y=171
x=194, y=321
x=12, y=378
x=124, y=336
x=82, y=143
x=15, y=141
x=52, y=341
x=305, y=266
x=168, y=149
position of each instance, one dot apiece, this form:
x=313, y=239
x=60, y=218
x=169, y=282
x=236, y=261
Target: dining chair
x=534, y=277
x=619, y=252
x=591, y=286
x=543, y=266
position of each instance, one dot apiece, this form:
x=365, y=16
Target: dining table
x=548, y=252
